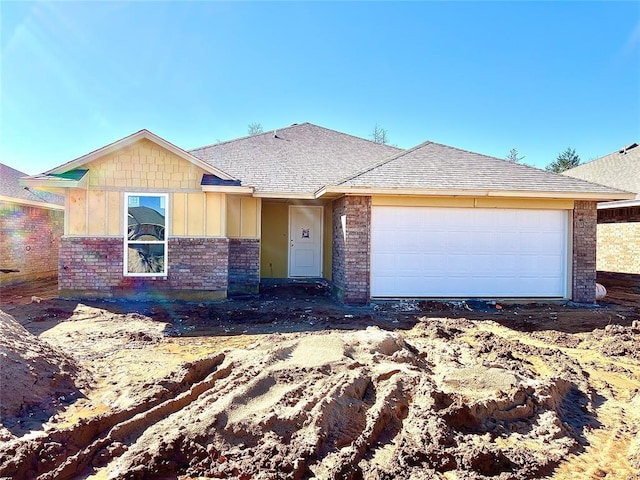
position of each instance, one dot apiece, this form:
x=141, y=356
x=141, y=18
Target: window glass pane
x=146, y=219
x=146, y=258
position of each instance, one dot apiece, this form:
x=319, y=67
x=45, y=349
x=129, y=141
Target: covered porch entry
x=295, y=239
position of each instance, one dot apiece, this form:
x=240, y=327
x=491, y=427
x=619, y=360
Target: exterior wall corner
x=351, y=254
x=584, y=252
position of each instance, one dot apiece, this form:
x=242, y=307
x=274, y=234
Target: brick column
x=584, y=252
x=351, y=257
x=244, y=266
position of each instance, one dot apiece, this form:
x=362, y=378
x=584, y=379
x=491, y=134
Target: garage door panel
x=385, y=264
x=465, y=252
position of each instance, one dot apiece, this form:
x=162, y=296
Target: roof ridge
x=390, y=159
x=268, y=132
x=520, y=165
x=355, y=136
x=294, y=125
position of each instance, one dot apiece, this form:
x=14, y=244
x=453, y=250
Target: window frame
x=127, y=241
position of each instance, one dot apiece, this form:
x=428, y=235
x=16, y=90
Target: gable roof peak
x=130, y=139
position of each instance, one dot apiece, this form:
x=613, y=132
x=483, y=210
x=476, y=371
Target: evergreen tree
x=566, y=160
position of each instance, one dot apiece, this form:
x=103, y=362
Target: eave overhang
x=286, y=195
x=336, y=191
x=31, y=203
x=619, y=204
x=228, y=189
x=55, y=181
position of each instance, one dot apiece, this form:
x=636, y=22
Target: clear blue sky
x=483, y=76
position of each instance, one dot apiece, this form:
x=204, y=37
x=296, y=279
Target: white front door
x=305, y=241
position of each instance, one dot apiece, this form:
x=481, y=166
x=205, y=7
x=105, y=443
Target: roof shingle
x=298, y=159
x=9, y=187
x=435, y=166
x=620, y=169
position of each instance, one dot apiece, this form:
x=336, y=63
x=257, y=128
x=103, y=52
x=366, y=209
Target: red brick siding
x=352, y=249
x=29, y=241
x=584, y=252
x=244, y=265
x=94, y=266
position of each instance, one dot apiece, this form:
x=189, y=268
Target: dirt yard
x=290, y=385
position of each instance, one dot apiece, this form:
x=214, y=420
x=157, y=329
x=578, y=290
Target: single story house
x=618, y=248
x=147, y=217
x=31, y=225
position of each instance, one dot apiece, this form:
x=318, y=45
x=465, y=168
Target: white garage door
x=468, y=252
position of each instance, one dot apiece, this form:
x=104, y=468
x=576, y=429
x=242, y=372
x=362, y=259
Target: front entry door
x=305, y=241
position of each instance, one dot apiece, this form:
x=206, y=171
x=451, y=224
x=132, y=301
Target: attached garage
x=469, y=252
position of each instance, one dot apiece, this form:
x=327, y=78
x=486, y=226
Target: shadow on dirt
x=300, y=306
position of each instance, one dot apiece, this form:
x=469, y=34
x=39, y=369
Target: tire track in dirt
x=64, y=452
x=448, y=398
x=611, y=447
x=366, y=404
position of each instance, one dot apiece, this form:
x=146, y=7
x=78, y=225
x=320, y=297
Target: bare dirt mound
x=36, y=379
x=342, y=405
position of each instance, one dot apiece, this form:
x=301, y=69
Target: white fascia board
x=594, y=196
x=286, y=195
x=124, y=142
x=227, y=189
x=619, y=204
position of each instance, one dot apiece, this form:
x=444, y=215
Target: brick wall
x=619, y=241
x=619, y=247
x=244, y=266
x=351, y=249
x=93, y=267
x=584, y=251
x=29, y=241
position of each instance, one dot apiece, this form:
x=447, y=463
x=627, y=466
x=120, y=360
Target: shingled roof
x=620, y=169
x=432, y=166
x=298, y=159
x=9, y=187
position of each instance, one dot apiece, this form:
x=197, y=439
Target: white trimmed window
x=145, y=239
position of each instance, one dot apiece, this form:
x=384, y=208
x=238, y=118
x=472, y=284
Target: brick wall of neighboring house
x=352, y=249
x=584, y=252
x=93, y=267
x=619, y=247
x=29, y=240
x=244, y=266
x=619, y=242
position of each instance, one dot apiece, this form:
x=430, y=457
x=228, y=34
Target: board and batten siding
x=145, y=167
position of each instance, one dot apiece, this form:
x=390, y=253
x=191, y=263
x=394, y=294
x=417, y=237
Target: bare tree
x=513, y=156
x=379, y=135
x=255, y=128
